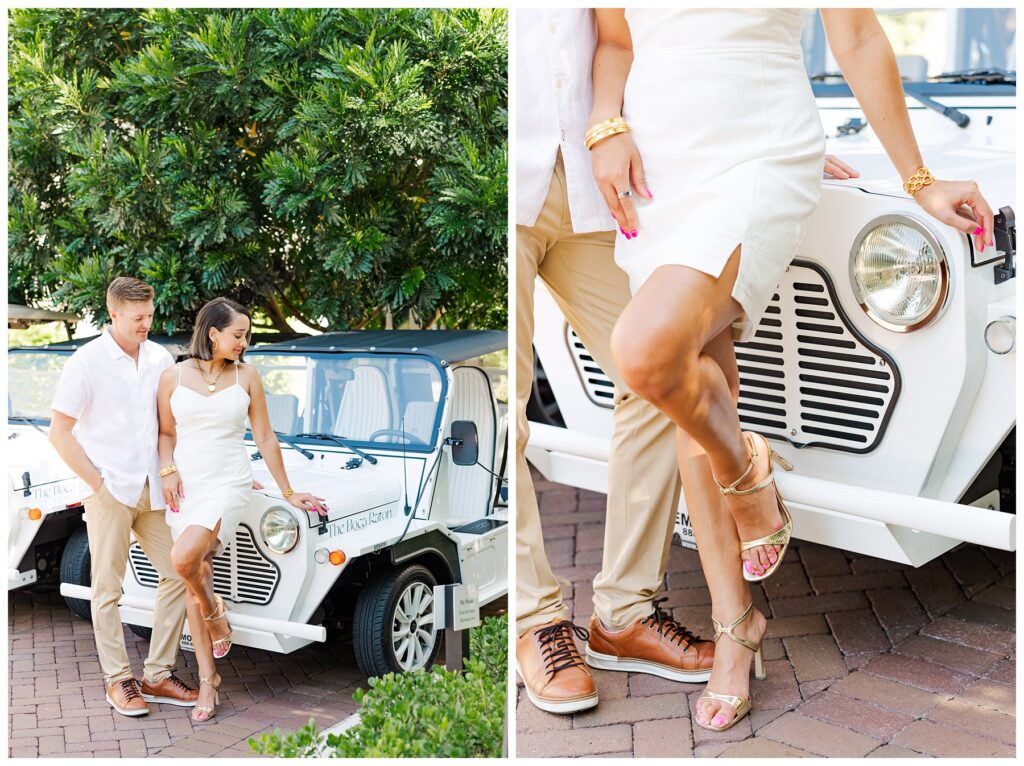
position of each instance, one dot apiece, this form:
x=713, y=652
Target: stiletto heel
x=759, y=672
x=779, y=537
x=741, y=705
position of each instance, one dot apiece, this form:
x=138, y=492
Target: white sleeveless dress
x=724, y=118
x=216, y=475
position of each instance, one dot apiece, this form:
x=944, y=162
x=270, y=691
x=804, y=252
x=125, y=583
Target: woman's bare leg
x=203, y=646
x=659, y=346
x=719, y=551
x=192, y=557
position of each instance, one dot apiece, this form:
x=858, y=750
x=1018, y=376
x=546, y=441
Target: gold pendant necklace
x=210, y=386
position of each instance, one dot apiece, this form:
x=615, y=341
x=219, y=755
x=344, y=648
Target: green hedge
x=426, y=714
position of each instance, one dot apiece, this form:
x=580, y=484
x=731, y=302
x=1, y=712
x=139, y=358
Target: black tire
x=374, y=621
x=75, y=568
x=542, y=407
x=142, y=632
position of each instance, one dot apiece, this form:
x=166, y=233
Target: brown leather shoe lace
x=179, y=683
x=558, y=650
x=668, y=627
x=130, y=689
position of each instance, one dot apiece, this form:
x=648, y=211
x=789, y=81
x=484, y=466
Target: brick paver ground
x=865, y=657
x=57, y=705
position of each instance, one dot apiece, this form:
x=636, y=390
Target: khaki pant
x=643, y=480
x=110, y=525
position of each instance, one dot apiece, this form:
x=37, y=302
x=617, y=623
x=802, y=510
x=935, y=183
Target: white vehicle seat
x=283, y=410
x=419, y=420
x=470, y=488
x=365, y=404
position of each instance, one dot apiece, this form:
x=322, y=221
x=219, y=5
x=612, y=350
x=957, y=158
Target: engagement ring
x=625, y=194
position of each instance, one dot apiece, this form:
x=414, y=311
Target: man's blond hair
x=127, y=290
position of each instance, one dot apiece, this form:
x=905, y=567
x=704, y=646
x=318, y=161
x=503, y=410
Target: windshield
x=929, y=41
x=369, y=400
x=32, y=378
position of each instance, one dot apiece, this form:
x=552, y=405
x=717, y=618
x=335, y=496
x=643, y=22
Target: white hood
x=984, y=151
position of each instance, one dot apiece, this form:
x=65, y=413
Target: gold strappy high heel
x=210, y=711
x=739, y=704
x=780, y=536
x=217, y=614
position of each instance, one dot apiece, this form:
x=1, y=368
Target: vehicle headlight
x=279, y=529
x=899, y=273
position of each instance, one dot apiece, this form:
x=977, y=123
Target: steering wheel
x=400, y=434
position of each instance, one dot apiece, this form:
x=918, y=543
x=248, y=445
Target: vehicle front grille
x=807, y=377
x=242, y=573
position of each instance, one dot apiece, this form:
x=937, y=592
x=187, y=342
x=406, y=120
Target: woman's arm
x=266, y=442
x=865, y=57
x=615, y=160
x=171, y=483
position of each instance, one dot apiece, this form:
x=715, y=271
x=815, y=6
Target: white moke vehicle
x=405, y=440
x=45, y=531
x=884, y=367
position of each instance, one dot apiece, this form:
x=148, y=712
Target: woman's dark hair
x=219, y=313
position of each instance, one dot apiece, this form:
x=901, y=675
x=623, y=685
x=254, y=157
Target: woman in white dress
x=718, y=105
x=203, y=403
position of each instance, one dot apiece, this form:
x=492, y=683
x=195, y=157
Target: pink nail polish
x=978, y=231
x=982, y=248
x=622, y=230
x=650, y=194
x=718, y=720
x=628, y=237
x=746, y=565
x=633, y=232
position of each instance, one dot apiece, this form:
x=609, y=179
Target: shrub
x=426, y=714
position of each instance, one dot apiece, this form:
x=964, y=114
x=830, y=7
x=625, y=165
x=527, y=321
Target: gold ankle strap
x=728, y=631
x=208, y=681
x=218, y=611
x=730, y=489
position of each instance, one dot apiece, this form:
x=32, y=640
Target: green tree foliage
x=332, y=165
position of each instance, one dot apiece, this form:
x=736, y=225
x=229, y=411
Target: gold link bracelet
x=921, y=178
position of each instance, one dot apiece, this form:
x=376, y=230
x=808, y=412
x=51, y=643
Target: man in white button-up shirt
x=564, y=236
x=105, y=428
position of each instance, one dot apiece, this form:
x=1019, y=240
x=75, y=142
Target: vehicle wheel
x=142, y=632
x=542, y=406
x=393, y=628
x=75, y=565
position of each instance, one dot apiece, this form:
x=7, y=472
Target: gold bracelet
x=595, y=138
x=921, y=178
x=288, y=493
x=168, y=470
x=601, y=127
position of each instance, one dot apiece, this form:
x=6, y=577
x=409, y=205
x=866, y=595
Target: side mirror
x=465, y=442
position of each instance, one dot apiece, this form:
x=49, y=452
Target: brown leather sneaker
x=656, y=644
x=170, y=691
x=125, y=698
x=552, y=669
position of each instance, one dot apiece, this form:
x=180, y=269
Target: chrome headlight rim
x=277, y=509
x=945, y=273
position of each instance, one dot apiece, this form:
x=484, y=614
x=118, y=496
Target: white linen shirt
x=554, y=95
x=114, y=402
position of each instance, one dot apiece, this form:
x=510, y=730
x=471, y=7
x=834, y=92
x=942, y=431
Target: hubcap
x=412, y=626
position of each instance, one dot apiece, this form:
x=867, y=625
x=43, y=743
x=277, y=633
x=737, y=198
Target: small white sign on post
x=456, y=609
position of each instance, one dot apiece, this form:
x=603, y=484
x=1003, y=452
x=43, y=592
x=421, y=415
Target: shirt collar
x=116, y=351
